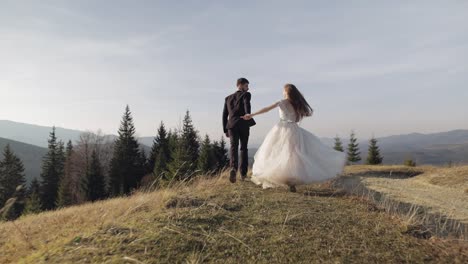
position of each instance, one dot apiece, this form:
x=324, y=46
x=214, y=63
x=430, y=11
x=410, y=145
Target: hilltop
x=211, y=220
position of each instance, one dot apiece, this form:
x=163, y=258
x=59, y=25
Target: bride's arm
x=262, y=111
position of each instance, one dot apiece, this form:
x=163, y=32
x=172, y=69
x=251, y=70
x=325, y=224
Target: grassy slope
x=214, y=221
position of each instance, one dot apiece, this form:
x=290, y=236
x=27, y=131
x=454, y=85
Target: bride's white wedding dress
x=291, y=155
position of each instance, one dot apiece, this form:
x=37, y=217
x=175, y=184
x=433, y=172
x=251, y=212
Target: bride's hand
x=247, y=117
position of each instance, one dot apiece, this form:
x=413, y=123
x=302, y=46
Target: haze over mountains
x=435, y=148
x=29, y=142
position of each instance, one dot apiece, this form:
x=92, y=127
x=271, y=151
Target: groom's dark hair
x=242, y=81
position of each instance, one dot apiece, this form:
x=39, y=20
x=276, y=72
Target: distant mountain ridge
x=38, y=135
x=29, y=142
x=432, y=148
x=35, y=134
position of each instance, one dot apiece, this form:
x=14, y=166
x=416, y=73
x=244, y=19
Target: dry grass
x=46, y=231
x=387, y=170
x=440, y=189
x=456, y=177
x=211, y=220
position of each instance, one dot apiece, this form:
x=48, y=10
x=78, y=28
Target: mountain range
x=434, y=148
x=29, y=142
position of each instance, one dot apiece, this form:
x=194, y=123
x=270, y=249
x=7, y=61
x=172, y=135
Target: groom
x=238, y=129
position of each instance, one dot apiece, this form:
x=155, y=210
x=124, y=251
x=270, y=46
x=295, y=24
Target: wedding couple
x=289, y=155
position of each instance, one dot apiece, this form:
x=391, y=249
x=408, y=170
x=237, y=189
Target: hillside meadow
x=211, y=220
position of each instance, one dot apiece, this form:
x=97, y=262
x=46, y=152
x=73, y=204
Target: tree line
x=97, y=167
x=353, y=154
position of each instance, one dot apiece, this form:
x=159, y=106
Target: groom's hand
x=227, y=134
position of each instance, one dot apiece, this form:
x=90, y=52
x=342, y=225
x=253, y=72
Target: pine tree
x=93, y=183
x=373, y=156
x=353, y=149
x=33, y=202
x=338, y=144
x=65, y=195
x=189, y=139
x=125, y=168
x=143, y=161
x=51, y=173
x=158, y=142
x=180, y=167
x=207, y=160
x=35, y=187
x=173, y=139
x=61, y=155
x=222, y=159
x=185, y=155
x=11, y=175
x=161, y=166
x=160, y=153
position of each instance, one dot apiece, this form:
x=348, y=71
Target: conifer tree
x=173, y=142
x=338, y=144
x=207, y=161
x=35, y=187
x=189, y=138
x=65, y=195
x=373, y=156
x=125, y=167
x=161, y=152
x=33, y=202
x=159, y=141
x=11, y=175
x=61, y=158
x=143, y=161
x=185, y=156
x=94, y=184
x=353, y=149
x=180, y=167
x=222, y=159
x=51, y=173
x=173, y=139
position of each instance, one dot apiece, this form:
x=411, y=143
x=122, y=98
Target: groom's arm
x=247, y=107
x=225, y=117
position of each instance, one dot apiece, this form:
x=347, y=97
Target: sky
x=376, y=67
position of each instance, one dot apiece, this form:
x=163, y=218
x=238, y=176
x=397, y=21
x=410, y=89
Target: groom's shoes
x=292, y=188
x=232, y=176
x=243, y=177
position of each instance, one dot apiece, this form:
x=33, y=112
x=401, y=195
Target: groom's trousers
x=236, y=135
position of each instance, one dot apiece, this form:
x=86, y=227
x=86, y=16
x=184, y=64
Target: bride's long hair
x=299, y=103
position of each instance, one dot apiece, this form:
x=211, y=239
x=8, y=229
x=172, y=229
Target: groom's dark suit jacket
x=235, y=106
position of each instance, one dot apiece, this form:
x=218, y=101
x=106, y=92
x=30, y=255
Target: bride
x=291, y=155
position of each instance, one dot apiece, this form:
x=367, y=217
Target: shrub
x=410, y=163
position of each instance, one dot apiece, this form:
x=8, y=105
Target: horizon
x=379, y=69
x=253, y=144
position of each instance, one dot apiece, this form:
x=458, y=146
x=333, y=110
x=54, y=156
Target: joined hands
x=247, y=117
